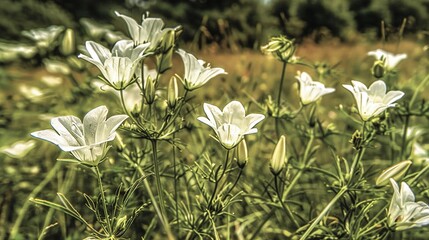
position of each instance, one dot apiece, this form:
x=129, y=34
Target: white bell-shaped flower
x=197, y=72
x=86, y=141
x=373, y=100
x=390, y=60
x=117, y=66
x=231, y=124
x=310, y=91
x=404, y=212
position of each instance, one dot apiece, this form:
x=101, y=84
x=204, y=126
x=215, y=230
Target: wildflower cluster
x=158, y=175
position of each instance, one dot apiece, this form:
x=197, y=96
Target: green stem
x=423, y=171
x=171, y=120
x=158, y=181
x=284, y=206
x=361, y=151
x=235, y=183
x=176, y=191
x=24, y=208
x=279, y=95
x=301, y=170
x=324, y=212
x=404, y=136
x=151, y=196
x=104, y=200
x=218, y=178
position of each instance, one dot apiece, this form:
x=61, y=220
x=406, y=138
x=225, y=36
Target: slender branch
x=279, y=95
x=324, y=212
x=104, y=200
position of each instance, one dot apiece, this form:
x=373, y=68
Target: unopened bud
x=378, y=69
x=149, y=90
x=68, y=44
x=281, y=47
x=395, y=172
x=164, y=60
x=242, y=154
x=172, y=92
x=278, y=160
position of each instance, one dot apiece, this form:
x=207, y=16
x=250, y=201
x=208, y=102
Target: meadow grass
x=192, y=192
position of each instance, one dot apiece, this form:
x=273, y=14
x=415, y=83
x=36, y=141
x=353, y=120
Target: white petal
x=97, y=51
x=92, y=121
x=378, y=88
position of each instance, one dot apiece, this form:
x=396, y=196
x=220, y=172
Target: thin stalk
x=284, y=206
x=324, y=212
x=158, y=180
x=171, y=120
x=104, y=200
x=176, y=192
x=218, y=179
x=24, y=208
x=423, y=171
x=152, y=198
x=301, y=170
x=361, y=151
x=235, y=183
x=404, y=136
x=279, y=95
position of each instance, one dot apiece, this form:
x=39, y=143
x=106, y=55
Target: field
x=161, y=173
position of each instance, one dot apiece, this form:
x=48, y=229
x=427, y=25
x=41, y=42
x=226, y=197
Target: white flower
x=231, y=124
x=118, y=67
x=373, y=100
x=309, y=90
x=390, y=60
x=18, y=149
x=86, y=141
x=44, y=37
x=196, y=74
x=150, y=31
x=404, y=213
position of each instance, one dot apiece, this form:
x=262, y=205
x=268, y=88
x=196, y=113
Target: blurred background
x=231, y=24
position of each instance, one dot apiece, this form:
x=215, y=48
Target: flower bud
x=172, y=92
x=149, y=90
x=164, y=60
x=242, y=154
x=281, y=47
x=68, y=45
x=278, y=160
x=378, y=70
x=395, y=172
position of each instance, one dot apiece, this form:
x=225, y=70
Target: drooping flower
x=404, y=212
x=231, y=124
x=117, y=66
x=373, y=100
x=390, y=60
x=310, y=91
x=86, y=141
x=196, y=74
x=278, y=160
